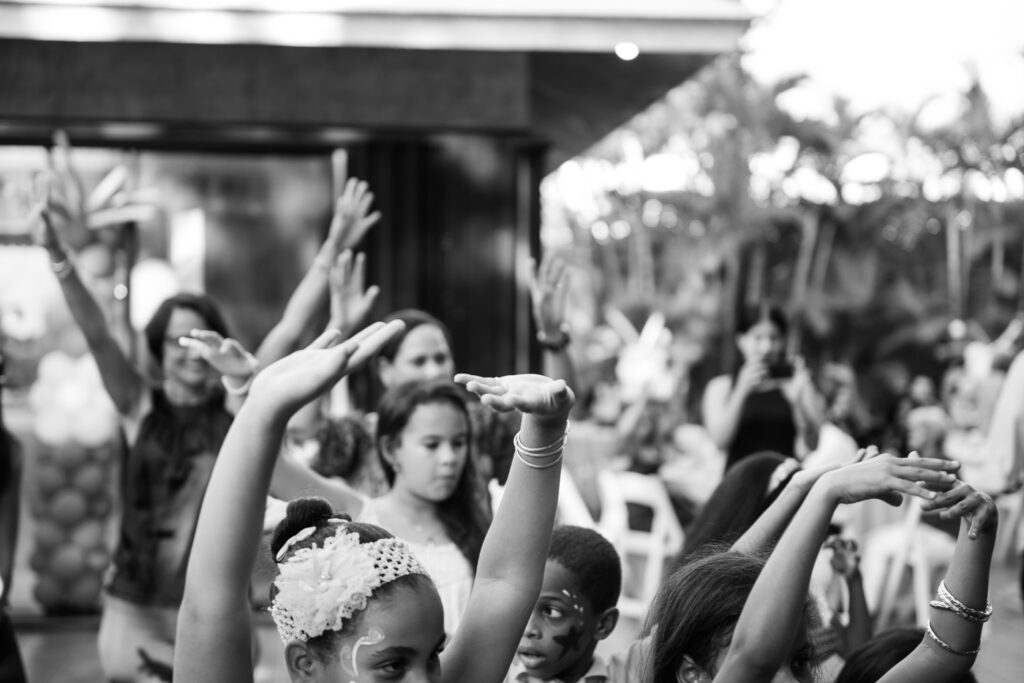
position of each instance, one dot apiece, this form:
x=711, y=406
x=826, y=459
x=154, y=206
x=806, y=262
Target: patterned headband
x=319, y=588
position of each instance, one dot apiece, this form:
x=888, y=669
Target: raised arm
x=950, y=647
x=120, y=378
x=768, y=527
x=351, y=221
x=549, y=291
x=511, y=566
x=772, y=613
x=214, y=631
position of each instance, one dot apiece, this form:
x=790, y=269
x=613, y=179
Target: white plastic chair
x=892, y=548
x=572, y=509
x=654, y=547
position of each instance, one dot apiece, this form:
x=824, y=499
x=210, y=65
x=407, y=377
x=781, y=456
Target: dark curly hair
x=592, y=560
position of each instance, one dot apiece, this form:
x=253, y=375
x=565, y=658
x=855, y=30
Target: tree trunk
x=810, y=223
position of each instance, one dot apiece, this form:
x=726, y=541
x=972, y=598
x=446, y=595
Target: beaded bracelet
x=945, y=600
x=946, y=646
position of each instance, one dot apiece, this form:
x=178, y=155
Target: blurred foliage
x=872, y=230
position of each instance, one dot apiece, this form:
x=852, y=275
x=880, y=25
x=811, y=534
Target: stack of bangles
x=945, y=600
x=543, y=457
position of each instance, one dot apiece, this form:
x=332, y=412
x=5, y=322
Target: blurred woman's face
x=763, y=342
x=184, y=365
x=423, y=355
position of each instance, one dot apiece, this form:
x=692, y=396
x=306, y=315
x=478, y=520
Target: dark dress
x=766, y=424
x=162, y=486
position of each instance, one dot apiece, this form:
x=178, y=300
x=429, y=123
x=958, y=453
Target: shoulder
x=719, y=386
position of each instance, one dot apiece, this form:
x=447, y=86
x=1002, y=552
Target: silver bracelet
x=551, y=463
x=946, y=646
x=62, y=269
x=945, y=600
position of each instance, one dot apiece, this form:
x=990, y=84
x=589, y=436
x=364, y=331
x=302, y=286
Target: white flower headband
x=319, y=588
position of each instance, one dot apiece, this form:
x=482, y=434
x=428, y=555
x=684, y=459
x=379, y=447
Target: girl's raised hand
x=964, y=501
x=227, y=356
x=887, y=478
x=298, y=378
x=538, y=395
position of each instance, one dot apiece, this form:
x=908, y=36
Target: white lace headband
x=319, y=588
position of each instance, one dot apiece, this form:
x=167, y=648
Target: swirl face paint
x=350, y=653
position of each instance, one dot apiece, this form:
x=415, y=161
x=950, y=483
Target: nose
x=532, y=628
x=447, y=454
x=433, y=370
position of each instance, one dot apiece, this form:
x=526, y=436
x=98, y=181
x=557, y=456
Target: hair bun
x=300, y=514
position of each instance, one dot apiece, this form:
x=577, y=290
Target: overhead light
x=627, y=52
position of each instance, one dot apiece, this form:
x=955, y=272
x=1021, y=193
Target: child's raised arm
x=214, y=631
x=961, y=606
x=511, y=566
x=772, y=613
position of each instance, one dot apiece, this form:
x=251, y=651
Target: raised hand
x=845, y=556
x=351, y=218
x=549, y=286
x=227, y=356
x=351, y=300
x=298, y=378
x=537, y=395
x=964, y=501
x=886, y=477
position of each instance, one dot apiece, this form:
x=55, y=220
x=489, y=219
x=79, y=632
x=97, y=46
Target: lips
x=530, y=658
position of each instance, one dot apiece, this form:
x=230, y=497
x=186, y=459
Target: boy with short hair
x=575, y=610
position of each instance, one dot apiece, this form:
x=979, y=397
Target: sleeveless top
x=766, y=424
x=163, y=479
x=447, y=566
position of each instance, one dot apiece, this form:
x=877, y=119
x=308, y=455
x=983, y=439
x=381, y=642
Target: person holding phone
x=769, y=403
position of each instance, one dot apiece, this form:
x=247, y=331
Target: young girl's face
x=397, y=639
x=430, y=454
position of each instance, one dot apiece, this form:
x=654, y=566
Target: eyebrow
x=389, y=652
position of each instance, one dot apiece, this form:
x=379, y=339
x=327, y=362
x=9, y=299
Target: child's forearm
x=768, y=527
x=967, y=581
x=523, y=521
x=772, y=612
x=230, y=523
x=858, y=631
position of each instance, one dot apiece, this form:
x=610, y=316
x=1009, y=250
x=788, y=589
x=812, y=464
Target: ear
x=606, y=622
x=384, y=370
x=690, y=672
x=387, y=450
x=302, y=665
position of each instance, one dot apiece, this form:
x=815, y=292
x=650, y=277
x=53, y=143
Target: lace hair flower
x=318, y=588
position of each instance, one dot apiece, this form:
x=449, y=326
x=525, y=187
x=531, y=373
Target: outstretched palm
x=534, y=394
x=227, y=356
x=299, y=377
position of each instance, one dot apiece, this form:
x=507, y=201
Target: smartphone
x=780, y=370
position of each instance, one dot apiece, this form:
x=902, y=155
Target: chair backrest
x=663, y=541
x=572, y=509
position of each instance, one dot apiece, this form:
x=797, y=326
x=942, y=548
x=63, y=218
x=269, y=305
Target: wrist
x=554, y=340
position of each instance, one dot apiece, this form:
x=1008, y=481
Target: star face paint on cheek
x=569, y=641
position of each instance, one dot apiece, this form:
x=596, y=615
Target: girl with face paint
x=352, y=603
